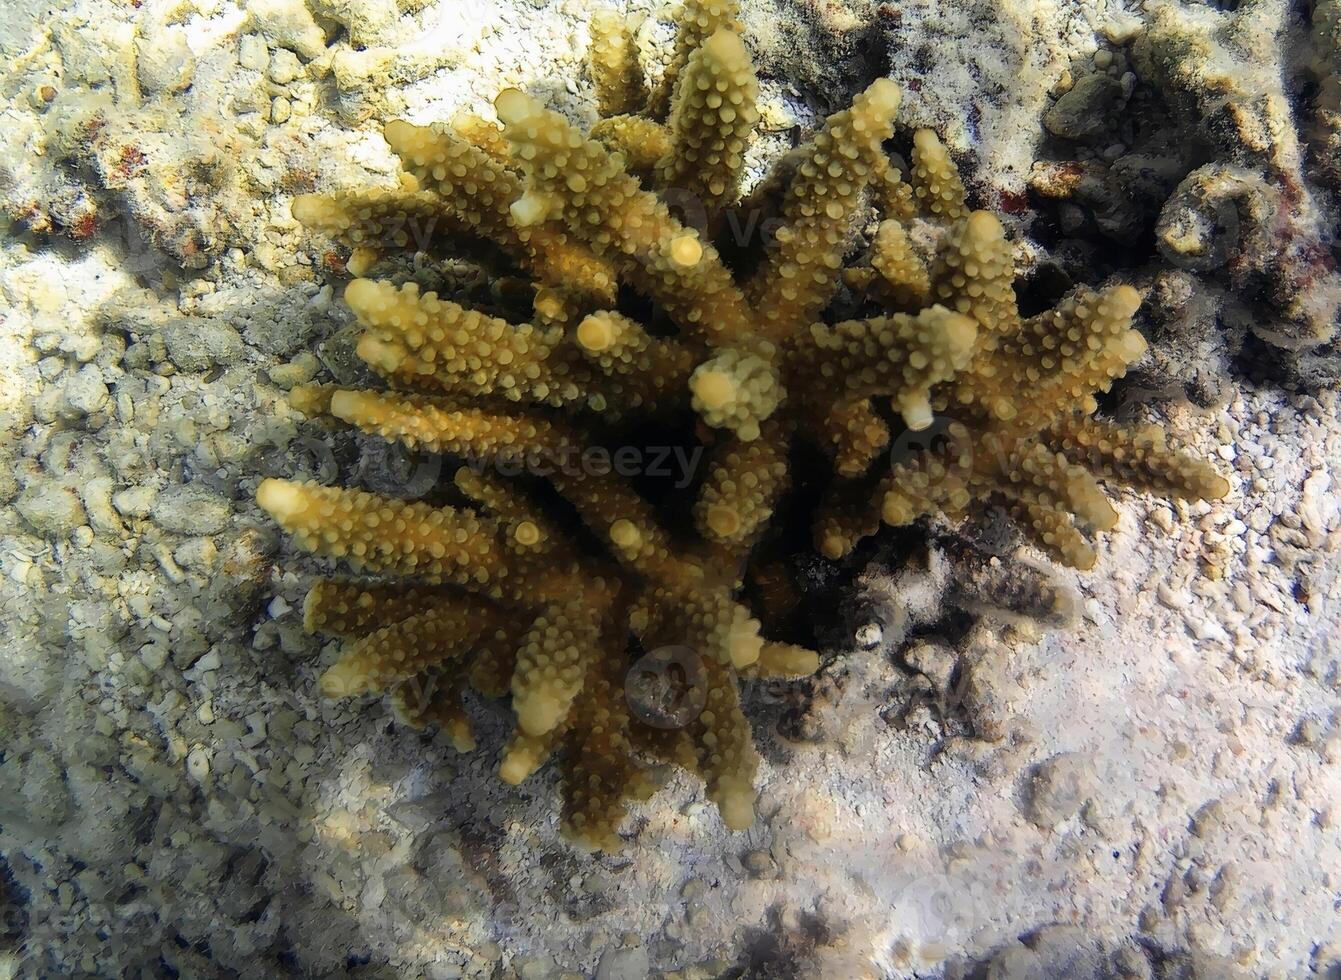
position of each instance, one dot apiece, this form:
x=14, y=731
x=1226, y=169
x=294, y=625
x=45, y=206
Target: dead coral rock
x=994, y=75
x=289, y=24
x=1011, y=591
x=84, y=393
x=52, y=510
x=629, y=963
x=1197, y=330
x=1216, y=165
x=191, y=510
x=1325, y=67
x=1086, y=110
x=197, y=344
x=821, y=48
x=934, y=661
x=1093, y=186
x=1227, y=217
x=164, y=62
x=172, y=183
x=991, y=692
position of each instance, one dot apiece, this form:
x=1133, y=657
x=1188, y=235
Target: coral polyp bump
x=547, y=594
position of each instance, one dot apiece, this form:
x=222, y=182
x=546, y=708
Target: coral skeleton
x=915, y=351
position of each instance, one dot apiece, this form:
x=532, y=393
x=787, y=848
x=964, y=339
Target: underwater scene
x=779, y=489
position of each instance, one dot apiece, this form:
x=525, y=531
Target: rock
x=1066, y=951
x=135, y=501
x=366, y=21
x=252, y=52
x=51, y=510
x=990, y=692
x=1060, y=788
x=535, y=968
x=1012, y=963
x=1052, y=951
x=623, y=964
x=289, y=24
x=936, y=661
x=97, y=496
x=191, y=510
x=1121, y=27
x=163, y=61
x=1317, y=507
x=84, y=393
x=759, y=864
x=284, y=67
x=198, y=764
x=1086, y=109
x=44, y=795
x=199, y=344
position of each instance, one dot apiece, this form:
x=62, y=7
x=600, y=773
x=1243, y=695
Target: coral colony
x=547, y=592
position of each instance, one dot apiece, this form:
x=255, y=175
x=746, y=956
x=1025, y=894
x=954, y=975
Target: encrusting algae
x=505, y=594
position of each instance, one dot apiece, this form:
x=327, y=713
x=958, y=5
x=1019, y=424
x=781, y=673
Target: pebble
x=85, y=392
x=154, y=655
x=623, y=964
x=163, y=61
x=191, y=510
x=50, y=510
x=209, y=661
x=198, y=764
x=253, y=53
x=1059, y=789
x=198, y=344
x=1086, y=109
x=284, y=67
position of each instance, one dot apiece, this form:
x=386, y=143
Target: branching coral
x=511, y=594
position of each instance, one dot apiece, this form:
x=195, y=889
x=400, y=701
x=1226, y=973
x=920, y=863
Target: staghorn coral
x=513, y=592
